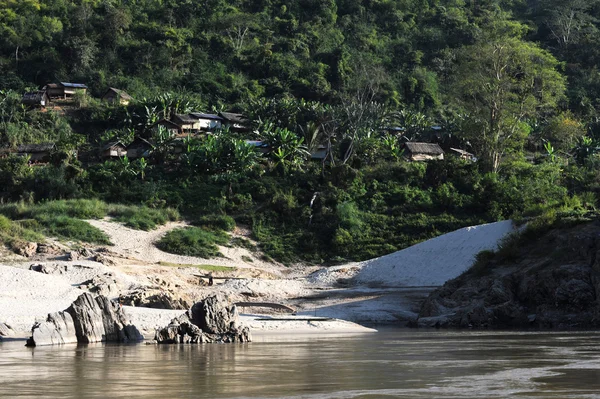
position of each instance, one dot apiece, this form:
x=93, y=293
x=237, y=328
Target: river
x=389, y=364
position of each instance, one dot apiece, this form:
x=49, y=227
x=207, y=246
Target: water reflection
x=394, y=364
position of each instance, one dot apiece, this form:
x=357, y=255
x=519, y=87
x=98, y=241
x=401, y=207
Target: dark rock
x=212, y=320
x=214, y=315
x=549, y=282
x=40, y=268
x=88, y=319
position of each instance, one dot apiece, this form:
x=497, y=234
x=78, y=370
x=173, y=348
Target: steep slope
x=433, y=262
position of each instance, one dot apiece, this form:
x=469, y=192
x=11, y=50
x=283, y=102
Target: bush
x=218, y=222
x=72, y=229
x=193, y=241
x=142, y=217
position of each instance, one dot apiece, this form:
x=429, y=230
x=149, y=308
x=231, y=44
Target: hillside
x=542, y=279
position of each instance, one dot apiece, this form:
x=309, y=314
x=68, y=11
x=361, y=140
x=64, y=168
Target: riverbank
x=386, y=290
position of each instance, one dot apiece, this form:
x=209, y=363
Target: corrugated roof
x=186, y=118
x=462, y=152
x=74, y=85
x=235, y=118
x=424, y=148
x=33, y=148
x=206, y=116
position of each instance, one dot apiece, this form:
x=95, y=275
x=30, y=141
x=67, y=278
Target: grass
x=193, y=241
x=72, y=229
x=63, y=218
x=210, y=268
x=12, y=232
x=142, y=217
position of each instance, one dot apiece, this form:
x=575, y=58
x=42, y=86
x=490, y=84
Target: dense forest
x=514, y=82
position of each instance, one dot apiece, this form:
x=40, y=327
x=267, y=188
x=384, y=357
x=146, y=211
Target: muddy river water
x=393, y=363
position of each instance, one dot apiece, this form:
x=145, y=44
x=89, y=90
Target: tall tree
x=501, y=84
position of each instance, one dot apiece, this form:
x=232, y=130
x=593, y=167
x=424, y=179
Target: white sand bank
x=433, y=262
x=27, y=297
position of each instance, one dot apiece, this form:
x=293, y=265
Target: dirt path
x=141, y=245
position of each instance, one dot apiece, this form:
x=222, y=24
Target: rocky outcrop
x=156, y=299
x=26, y=249
x=214, y=319
x=551, y=281
x=89, y=319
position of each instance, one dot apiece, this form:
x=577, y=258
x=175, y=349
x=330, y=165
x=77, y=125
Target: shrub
x=142, y=217
x=219, y=222
x=72, y=229
x=193, y=241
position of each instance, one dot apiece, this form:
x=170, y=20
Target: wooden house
x=462, y=154
x=37, y=153
x=208, y=122
x=236, y=122
x=188, y=123
x=116, y=96
x=172, y=127
x=64, y=90
x=423, y=151
x=36, y=99
x=115, y=149
x=139, y=148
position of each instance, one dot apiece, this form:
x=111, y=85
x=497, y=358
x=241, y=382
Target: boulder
x=214, y=319
x=214, y=315
x=26, y=249
x=57, y=329
x=89, y=319
x=156, y=299
x=49, y=249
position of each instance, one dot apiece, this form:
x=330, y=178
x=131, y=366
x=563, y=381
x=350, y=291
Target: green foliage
x=193, y=241
x=71, y=229
x=142, y=217
x=12, y=232
x=218, y=222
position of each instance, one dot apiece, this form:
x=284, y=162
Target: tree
x=500, y=84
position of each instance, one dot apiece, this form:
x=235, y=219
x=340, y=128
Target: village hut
x=208, y=122
x=462, y=154
x=64, y=90
x=114, y=149
x=423, y=151
x=139, y=148
x=113, y=95
x=172, y=127
x=37, y=153
x=236, y=122
x=188, y=123
x=36, y=99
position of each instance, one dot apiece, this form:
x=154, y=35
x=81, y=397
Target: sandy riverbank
x=386, y=290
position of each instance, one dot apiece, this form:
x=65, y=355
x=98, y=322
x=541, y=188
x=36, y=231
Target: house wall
x=55, y=92
x=425, y=157
x=208, y=124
